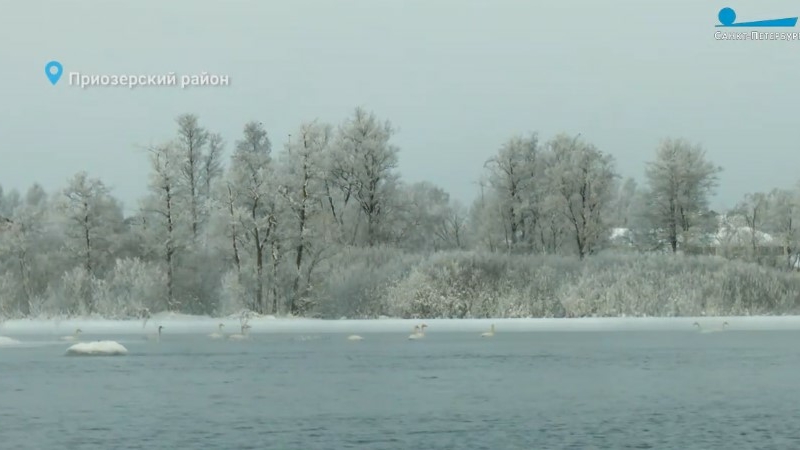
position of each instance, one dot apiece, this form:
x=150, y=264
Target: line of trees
x=267, y=229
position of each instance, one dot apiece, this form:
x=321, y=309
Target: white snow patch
x=97, y=348
x=8, y=342
x=618, y=233
x=185, y=324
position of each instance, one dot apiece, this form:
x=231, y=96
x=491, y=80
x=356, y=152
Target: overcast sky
x=456, y=77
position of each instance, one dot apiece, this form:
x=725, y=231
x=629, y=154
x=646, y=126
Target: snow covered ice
x=7, y=341
x=97, y=348
x=202, y=325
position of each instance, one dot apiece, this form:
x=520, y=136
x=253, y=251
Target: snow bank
x=97, y=348
x=8, y=342
x=184, y=324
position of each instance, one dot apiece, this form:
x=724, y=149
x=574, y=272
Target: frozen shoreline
x=185, y=324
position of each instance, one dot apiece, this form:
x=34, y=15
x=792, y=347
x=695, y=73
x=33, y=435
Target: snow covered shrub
x=76, y=293
x=11, y=295
x=451, y=285
x=233, y=295
x=748, y=288
x=197, y=282
x=672, y=285
x=463, y=284
x=533, y=283
x=477, y=284
x=132, y=286
x=354, y=282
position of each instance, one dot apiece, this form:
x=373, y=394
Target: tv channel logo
x=727, y=18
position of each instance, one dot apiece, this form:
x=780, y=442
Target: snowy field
x=185, y=324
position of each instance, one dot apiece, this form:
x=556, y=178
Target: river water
x=545, y=390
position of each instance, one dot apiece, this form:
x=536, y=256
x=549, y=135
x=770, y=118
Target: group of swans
x=710, y=330
x=242, y=335
x=419, y=333
x=75, y=337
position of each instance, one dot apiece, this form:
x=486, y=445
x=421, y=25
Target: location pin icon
x=53, y=70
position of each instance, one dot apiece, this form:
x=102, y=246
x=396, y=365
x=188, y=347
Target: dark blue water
x=578, y=390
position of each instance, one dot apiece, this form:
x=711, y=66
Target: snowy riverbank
x=185, y=324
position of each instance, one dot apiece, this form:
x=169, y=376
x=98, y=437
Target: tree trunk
x=259, y=274
x=236, y=258
x=274, y=277
x=169, y=251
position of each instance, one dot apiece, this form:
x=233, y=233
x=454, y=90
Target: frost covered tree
x=451, y=229
x=526, y=207
x=25, y=246
x=200, y=168
x=680, y=182
x=233, y=230
x=194, y=164
x=484, y=221
x=328, y=228
x=426, y=219
x=623, y=204
x=363, y=167
x=251, y=178
x=93, y=220
x=164, y=209
x=753, y=209
x=782, y=221
x=516, y=175
x=212, y=169
x=5, y=208
x=581, y=181
x=554, y=231
x=10, y=202
x=303, y=171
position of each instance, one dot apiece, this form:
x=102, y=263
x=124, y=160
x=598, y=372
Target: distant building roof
x=742, y=236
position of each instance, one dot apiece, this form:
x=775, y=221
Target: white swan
x=419, y=332
x=155, y=337
x=241, y=336
x=218, y=334
x=712, y=330
x=74, y=337
x=489, y=333
x=97, y=348
x=354, y=337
